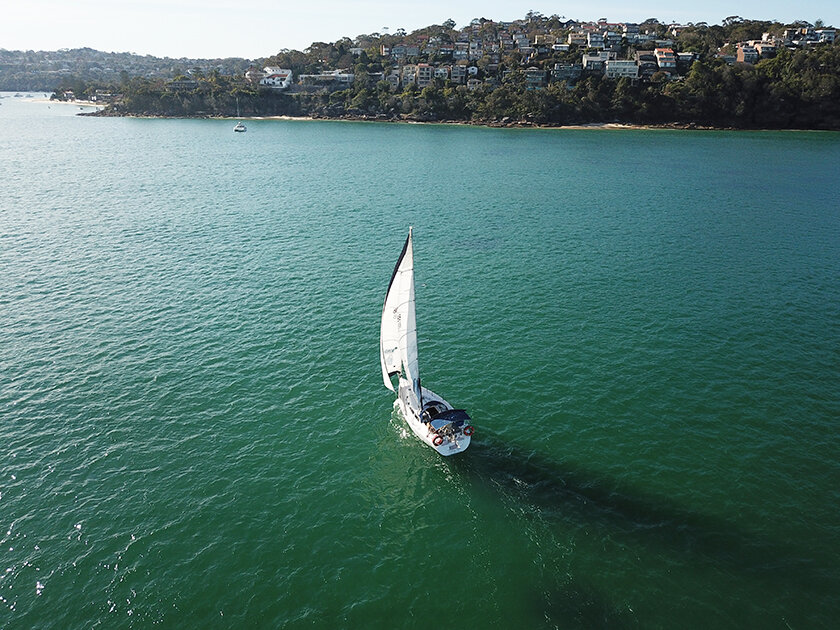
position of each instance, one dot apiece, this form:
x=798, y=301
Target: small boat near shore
x=442, y=427
x=240, y=127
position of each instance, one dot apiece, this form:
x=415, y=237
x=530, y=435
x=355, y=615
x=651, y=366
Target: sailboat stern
x=441, y=427
x=451, y=430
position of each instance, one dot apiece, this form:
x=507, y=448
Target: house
x=577, y=38
x=765, y=50
x=276, y=78
x=665, y=59
x=400, y=52
x=745, y=53
x=425, y=73
x=612, y=39
x=594, y=61
x=393, y=80
x=595, y=39
x=408, y=75
x=566, y=72
x=686, y=58
x=253, y=75
x=458, y=74
x=506, y=42
x=646, y=61
x=328, y=78
x=535, y=78
x=473, y=84
x=825, y=35
x=618, y=68
x=630, y=30
x=442, y=72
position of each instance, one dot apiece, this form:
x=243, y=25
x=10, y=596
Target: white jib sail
x=398, y=331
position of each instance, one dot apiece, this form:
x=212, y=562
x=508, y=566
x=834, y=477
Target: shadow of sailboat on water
x=566, y=492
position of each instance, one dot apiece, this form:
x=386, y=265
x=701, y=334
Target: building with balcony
x=577, y=38
x=535, y=78
x=408, y=75
x=328, y=78
x=594, y=62
x=566, y=72
x=618, y=68
x=458, y=74
x=595, y=39
x=425, y=74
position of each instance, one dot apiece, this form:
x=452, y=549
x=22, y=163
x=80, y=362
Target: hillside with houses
x=545, y=49
x=537, y=70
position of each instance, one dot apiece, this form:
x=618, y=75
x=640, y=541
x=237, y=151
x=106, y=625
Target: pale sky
x=259, y=28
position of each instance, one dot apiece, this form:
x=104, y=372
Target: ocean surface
x=643, y=324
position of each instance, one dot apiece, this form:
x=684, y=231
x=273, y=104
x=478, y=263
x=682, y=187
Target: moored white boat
x=240, y=127
x=430, y=417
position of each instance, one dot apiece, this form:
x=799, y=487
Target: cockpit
x=442, y=419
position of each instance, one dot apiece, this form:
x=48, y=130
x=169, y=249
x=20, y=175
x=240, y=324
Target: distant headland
x=540, y=70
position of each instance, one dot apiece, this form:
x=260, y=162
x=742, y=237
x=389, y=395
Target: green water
x=644, y=326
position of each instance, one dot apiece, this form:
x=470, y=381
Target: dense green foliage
x=799, y=89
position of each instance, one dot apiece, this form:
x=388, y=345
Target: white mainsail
x=398, y=330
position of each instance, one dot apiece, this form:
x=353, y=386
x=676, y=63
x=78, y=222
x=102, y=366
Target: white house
x=278, y=78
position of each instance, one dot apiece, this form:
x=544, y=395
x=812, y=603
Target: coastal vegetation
x=799, y=87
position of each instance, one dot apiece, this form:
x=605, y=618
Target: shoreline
x=503, y=124
x=79, y=102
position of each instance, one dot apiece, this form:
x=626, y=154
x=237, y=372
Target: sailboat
x=430, y=417
x=240, y=126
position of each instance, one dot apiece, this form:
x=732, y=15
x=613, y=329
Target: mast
x=408, y=344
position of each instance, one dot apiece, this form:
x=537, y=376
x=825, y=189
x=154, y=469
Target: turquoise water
x=644, y=326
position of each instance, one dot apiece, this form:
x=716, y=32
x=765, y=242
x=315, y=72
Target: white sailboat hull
x=450, y=442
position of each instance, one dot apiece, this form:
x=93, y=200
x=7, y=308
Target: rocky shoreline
x=505, y=123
